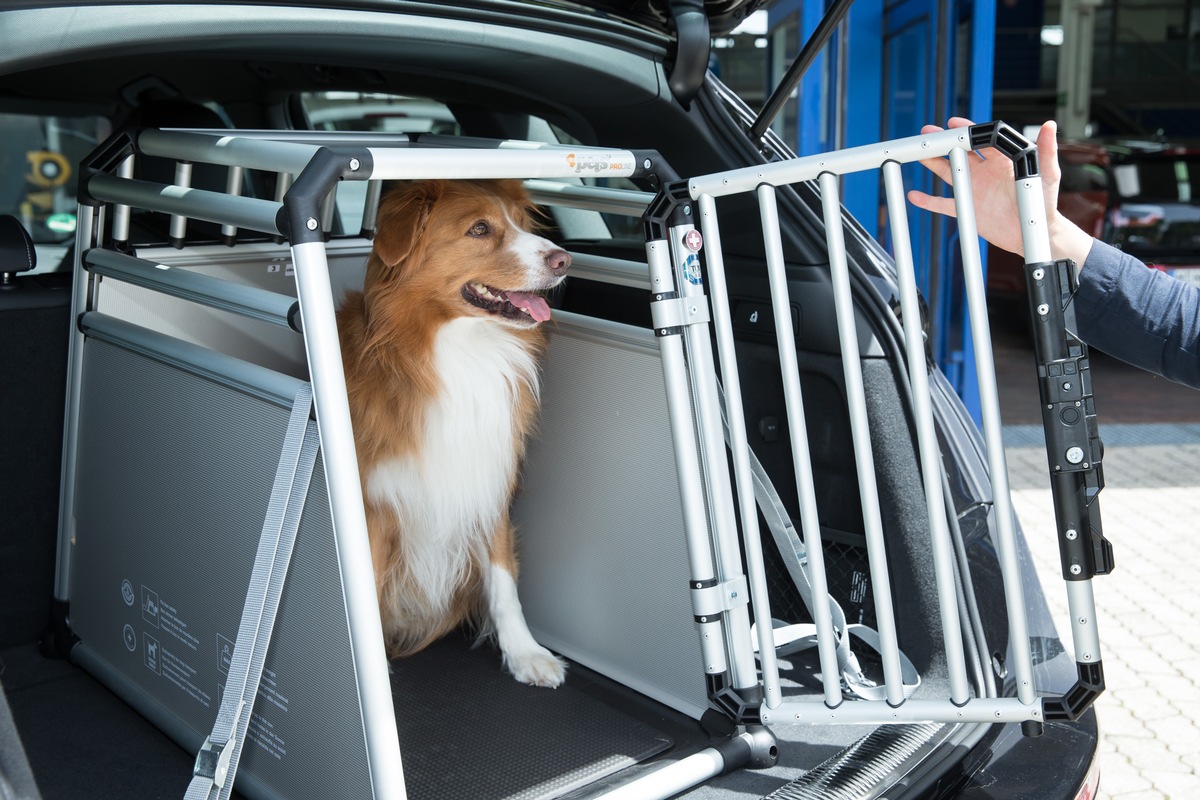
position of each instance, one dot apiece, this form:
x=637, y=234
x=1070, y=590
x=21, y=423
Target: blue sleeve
x=1139, y=315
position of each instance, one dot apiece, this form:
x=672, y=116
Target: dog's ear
x=401, y=220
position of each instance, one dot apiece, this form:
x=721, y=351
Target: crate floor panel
x=485, y=736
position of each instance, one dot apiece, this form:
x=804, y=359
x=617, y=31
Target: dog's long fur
x=443, y=387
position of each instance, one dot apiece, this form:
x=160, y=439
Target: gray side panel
x=604, y=567
x=175, y=473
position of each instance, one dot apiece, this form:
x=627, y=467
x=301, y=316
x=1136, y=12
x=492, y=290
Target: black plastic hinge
x=671, y=206
x=652, y=170
x=1079, y=697
x=300, y=217
x=1010, y=142
x=736, y=706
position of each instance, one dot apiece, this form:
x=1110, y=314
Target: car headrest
x=16, y=249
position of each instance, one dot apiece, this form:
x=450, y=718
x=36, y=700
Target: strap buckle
x=212, y=762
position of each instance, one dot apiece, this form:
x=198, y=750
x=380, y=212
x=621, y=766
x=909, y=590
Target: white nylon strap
x=217, y=761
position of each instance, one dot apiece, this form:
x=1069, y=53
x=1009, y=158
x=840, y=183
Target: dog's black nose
x=557, y=261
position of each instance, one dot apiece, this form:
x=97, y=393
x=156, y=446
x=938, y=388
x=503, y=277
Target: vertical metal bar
x=964, y=204
x=371, y=208
x=927, y=442
x=698, y=343
x=183, y=177
x=121, y=213
x=861, y=435
x=687, y=459
x=789, y=363
x=84, y=232
x=233, y=188
x=349, y=519
x=328, y=207
x=740, y=449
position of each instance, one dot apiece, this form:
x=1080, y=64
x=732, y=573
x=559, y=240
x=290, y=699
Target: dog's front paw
x=537, y=666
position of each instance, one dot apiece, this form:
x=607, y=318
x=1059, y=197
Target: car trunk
x=177, y=416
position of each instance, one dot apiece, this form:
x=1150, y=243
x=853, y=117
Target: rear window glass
x=38, y=158
x=1166, y=179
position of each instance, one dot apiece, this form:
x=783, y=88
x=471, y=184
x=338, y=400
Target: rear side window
x=38, y=158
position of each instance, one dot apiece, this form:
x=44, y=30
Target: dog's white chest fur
x=450, y=495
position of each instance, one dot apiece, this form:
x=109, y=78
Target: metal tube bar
x=864, y=459
x=789, y=363
x=233, y=188
x=328, y=207
x=698, y=344
x=676, y=777
x=1085, y=635
x=1031, y=205
x=84, y=231
x=349, y=518
x=371, y=208
x=989, y=402
x=985, y=709
x=395, y=164
x=841, y=162
x=183, y=179
x=121, y=213
x=249, y=301
x=231, y=150
x=590, y=198
x=687, y=459
x=318, y=138
x=739, y=446
x=609, y=270
x=927, y=442
x=246, y=212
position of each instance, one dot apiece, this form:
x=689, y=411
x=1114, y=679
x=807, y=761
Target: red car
x=1140, y=196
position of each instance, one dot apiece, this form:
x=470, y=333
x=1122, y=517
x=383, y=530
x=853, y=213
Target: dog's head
x=466, y=248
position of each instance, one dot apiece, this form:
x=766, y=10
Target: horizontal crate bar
x=842, y=162
x=248, y=301
x=400, y=164
x=589, y=198
x=229, y=150
x=244, y=212
x=610, y=270
x=979, y=709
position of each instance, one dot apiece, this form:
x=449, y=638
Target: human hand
x=996, y=210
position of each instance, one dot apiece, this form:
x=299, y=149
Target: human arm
x=1142, y=316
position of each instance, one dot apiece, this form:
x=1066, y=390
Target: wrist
x=1068, y=240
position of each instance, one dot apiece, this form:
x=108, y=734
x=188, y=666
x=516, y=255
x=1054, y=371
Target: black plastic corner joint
x=653, y=169
x=739, y=706
x=300, y=218
x=671, y=206
x=1080, y=696
x=1005, y=138
x=104, y=160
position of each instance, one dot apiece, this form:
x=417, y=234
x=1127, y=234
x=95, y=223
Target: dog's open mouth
x=510, y=304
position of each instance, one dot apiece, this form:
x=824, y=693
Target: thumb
x=938, y=205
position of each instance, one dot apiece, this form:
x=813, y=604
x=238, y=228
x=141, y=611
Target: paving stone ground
x=1148, y=609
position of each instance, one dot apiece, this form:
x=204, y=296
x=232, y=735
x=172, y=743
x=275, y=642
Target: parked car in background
x=1138, y=195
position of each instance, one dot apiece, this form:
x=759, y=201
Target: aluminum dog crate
x=176, y=426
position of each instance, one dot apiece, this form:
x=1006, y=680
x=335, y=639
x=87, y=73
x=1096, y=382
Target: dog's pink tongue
x=535, y=304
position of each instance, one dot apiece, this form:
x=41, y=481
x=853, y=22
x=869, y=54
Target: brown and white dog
x=441, y=350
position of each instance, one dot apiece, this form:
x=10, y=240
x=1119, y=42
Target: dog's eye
x=480, y=228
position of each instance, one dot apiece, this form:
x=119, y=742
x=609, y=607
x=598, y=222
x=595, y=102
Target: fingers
x=1047, y=148
x=938, y=205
